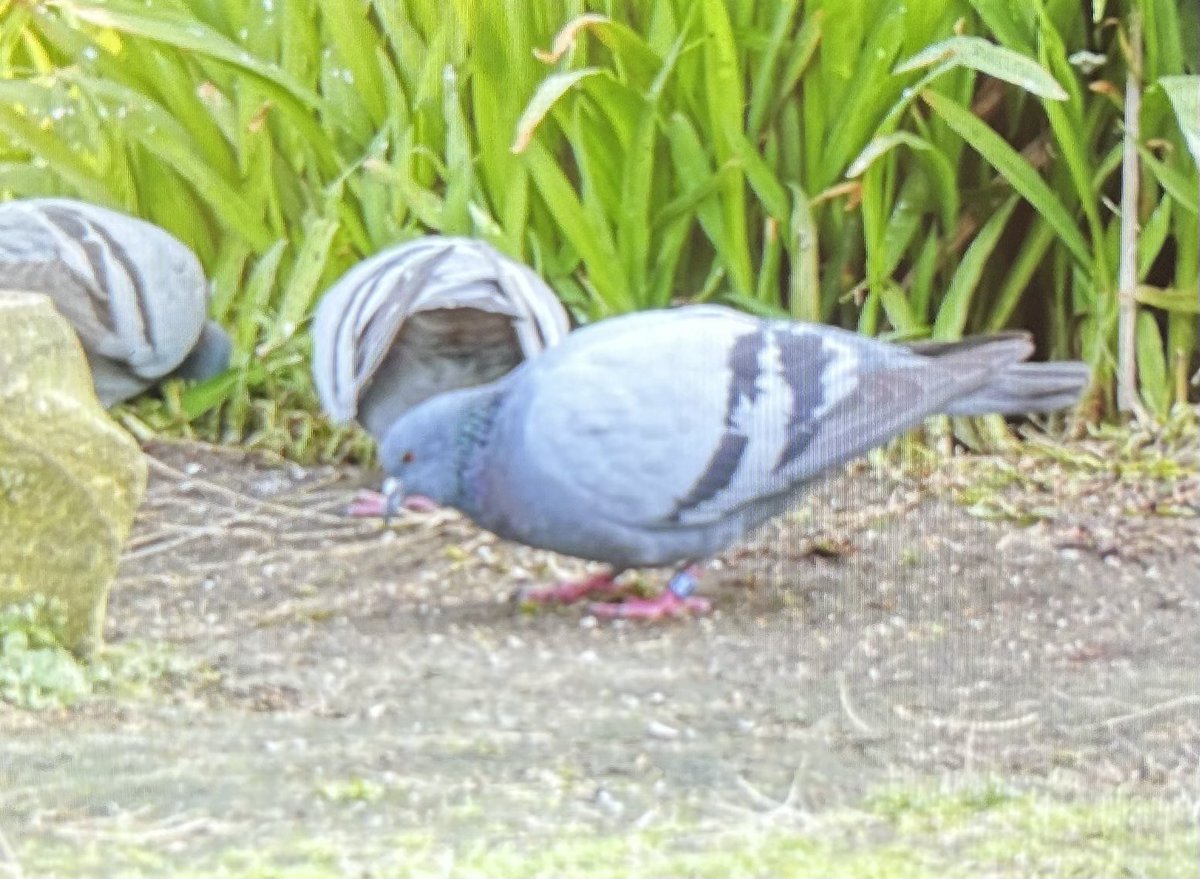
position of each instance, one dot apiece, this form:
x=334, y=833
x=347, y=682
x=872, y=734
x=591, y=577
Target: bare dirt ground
x=347, y=681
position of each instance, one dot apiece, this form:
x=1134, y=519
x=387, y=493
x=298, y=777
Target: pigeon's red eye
x=408, y=457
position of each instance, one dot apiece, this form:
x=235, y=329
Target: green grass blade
x=1174, y=299
x=920, y=293
x=1180, y=186
x=767, y=282
x=638, y=60
x=187, y=35
x=27, y=133
x=1153, y=236
x=701, y=185
x=1184, y=94
x=345, y=27
x=804, y=46
x=908, y=212
x=725, y=102
x=764, y=82
x=874, y=210
x=899, y=310
x=952, y=313
x=1013, y=23
x=764, y=182
x=1019, y=274
x=804, y=285
x=701, y=190
x=1153, y=374
x=592, y=242
x=460, y=169
x=1016, y=170
x=24, y=180
x=303, y=282
x=250, y=315
x=871, y=90
x=1071, y=136
x=225, y=276
x=633, y=241
x=935, y=166
x=671, y=241
x=159, y=133
x=986, y=57
x=548, y=94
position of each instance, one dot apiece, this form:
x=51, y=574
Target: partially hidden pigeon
x=664, y=437
x=135, y=295
x=428, y=316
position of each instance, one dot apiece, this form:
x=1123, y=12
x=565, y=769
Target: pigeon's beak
x=393, y=495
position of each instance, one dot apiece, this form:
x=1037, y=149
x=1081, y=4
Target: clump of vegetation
x=906, y=167
x=1149, y=471
x=38, y=671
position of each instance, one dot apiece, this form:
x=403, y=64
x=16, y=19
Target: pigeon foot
x=370, y=504
x=676, y=600
x=367, y=504
x=668, y=604
x=571, y=591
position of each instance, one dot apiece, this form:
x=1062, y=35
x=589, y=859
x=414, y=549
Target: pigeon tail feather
x=1015, y=387
x=1025, y=388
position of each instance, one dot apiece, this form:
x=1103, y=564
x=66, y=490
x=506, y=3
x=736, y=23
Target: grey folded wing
x=135, y=295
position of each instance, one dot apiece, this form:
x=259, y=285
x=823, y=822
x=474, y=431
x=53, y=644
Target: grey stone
x=70, y=478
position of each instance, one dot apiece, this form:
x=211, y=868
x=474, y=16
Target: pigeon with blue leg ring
x=665, y=437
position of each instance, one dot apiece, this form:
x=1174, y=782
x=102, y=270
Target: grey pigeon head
x=135, y=295
x=422, y=318
x=667, y=436
x=433, y=450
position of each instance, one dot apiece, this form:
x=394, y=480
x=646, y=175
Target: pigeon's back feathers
x=135, y=295
x=667, y=435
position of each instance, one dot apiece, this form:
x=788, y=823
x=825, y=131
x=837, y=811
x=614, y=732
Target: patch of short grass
x=38, y=672
x=922, y=830
x=991, y=827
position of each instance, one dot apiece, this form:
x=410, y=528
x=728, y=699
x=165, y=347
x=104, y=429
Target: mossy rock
x=70, y=478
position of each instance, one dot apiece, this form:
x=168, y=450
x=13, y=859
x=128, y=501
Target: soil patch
x=349, y=680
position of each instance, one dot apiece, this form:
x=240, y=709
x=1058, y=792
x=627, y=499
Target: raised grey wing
x=366, y=318
x=393, y=295
x=372, y=298
x=539, y=318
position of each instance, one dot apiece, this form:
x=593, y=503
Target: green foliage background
x=910, y=168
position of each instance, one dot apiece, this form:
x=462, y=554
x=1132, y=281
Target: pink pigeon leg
x=368, y=504
x=674, y=601
x=571, y=591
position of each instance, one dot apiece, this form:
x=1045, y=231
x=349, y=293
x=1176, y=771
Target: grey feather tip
x=210, y=355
